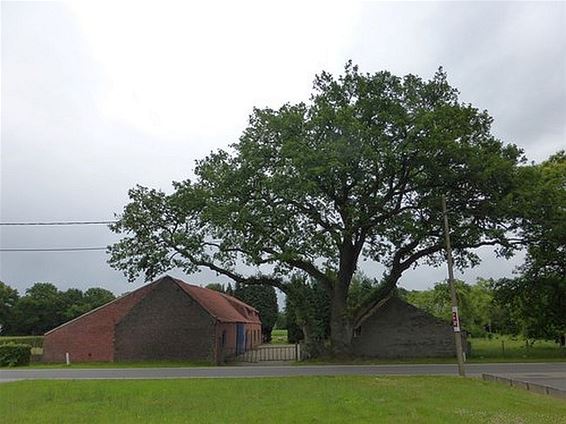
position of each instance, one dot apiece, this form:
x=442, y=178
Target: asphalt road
x=548, y=370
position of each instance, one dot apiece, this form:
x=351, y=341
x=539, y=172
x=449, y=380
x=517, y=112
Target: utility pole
x=455, y=317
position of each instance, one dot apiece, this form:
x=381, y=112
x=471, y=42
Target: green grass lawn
x=510, y=348
x=282, y=400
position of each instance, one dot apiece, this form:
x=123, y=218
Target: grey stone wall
x=166, y=324
x=400, y=330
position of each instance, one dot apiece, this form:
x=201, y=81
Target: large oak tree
x=356, y=172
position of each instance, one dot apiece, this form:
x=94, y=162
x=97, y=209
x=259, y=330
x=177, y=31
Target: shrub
x=12, y=354
x=34, y=341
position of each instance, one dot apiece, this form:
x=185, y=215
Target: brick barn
x=393, y=328
x=164, y=320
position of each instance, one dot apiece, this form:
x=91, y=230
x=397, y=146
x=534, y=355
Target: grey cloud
x=62, y=158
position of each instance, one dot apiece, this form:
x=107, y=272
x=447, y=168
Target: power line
x=52, y=249
x=58, y=223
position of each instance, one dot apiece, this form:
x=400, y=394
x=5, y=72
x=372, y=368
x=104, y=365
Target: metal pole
x=455, y=317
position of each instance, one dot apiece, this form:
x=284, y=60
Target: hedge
x=12, y=354
x=33, y=341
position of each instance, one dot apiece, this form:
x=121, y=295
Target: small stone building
x=164, y=320
x=393, y=328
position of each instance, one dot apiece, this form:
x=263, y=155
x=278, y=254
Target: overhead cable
x=51, y=249
x=58, y=223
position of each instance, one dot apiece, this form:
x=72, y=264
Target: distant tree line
x=521, y=306
x=44, y=307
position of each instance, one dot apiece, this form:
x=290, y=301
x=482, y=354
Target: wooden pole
x=454, y=299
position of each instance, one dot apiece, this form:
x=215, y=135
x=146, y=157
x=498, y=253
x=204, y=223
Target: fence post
x=503, y=347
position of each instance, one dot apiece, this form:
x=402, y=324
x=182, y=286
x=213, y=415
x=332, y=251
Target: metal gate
x=270, y=353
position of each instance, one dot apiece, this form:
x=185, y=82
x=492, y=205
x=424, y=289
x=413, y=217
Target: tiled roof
x=221, y=306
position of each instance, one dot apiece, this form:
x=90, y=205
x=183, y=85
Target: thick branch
x=400, y=265
x=311, y=270
x=263, y=280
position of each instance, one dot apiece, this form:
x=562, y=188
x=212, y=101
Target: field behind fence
x=508, y=347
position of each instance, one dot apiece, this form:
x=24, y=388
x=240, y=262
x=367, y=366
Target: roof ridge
x=230, y=297
x=180, y=282
x=230, y=302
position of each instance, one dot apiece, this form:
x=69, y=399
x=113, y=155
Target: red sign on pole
x=455, y=319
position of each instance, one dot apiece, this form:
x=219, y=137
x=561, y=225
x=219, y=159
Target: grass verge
x=415, y=361
x=292, y=399
x=123, y=364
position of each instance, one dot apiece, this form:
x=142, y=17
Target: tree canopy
x=541, y=203
x=8, y=298
x=44, y=307
x=536, y=299
x=479, y=313
x=356, y=172
x=261, y=297
x=264, y=299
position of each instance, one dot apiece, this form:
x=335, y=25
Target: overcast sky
x=96, y=98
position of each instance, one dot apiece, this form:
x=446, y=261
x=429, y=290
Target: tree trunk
x=341, y=330
x=312, y=346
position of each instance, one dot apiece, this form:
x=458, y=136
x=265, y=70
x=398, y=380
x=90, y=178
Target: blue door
x=240, y=339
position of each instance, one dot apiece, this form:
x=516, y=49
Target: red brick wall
x=90, y=337
x=254, y=335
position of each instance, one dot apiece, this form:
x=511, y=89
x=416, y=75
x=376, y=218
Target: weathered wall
x=254, y=338
x=90, y=337
x=228, y=349
x=400, y=330
x=166, y=324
